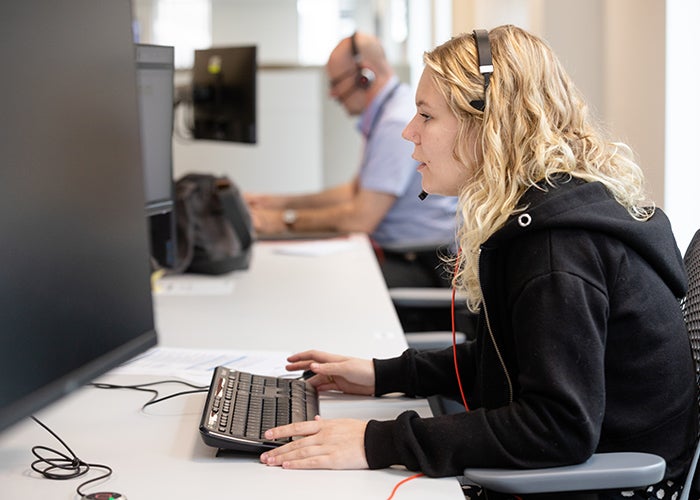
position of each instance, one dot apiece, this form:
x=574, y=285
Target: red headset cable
x=393, y=492
x=459, y=380
x=454, y=346
x=454, y=334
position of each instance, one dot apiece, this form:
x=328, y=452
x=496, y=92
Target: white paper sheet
x=194, y=284
x=316, y=248
x=197, y=365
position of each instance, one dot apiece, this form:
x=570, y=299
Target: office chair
x=430, y=299
x=607, y=470
x=429, y=302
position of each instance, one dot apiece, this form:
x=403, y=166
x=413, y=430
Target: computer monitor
x=224, y=94
x=155, y=71
x=75, y=296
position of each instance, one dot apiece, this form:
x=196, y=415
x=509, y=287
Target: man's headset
x=365, y=76
x=483, y=52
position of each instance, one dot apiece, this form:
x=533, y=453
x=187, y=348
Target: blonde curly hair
x=535, y=124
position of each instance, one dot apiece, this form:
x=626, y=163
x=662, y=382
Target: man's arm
x=331, y=196
x=361, y=213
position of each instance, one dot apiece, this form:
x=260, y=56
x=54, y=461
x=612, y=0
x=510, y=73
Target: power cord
x=147, y=388
x=54, y=464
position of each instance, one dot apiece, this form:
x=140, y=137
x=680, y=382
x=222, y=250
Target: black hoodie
x=581, y=348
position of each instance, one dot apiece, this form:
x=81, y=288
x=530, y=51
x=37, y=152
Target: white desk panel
x=336, y=302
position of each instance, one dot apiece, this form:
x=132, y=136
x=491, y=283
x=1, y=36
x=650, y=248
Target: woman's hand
x=326, y=444
x=335, y=372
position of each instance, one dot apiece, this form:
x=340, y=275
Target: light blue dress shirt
x=387, y=167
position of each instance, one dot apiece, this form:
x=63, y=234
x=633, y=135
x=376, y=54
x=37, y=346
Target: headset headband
x=365, y=76
x=483, y=52
x=353, y=47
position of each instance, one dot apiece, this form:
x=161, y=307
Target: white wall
x=682, y=134
x=269, y=24
x=634, y=80
x=288, y=155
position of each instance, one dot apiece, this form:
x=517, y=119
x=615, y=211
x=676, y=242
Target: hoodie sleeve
x=425, y=373
x=557, y=412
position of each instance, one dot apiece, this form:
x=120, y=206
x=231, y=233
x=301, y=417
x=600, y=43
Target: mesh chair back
x=690, y=306
x=691, y=302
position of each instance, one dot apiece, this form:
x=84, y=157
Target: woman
x=581, y=345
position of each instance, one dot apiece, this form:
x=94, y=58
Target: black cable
x=145, y=388
x=62, y=466
x=54, y=464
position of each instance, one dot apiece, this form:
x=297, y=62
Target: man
x=382, y=200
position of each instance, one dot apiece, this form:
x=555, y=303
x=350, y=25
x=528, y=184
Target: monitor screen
x=155, y=70
x=224, y=94
x=75, y=295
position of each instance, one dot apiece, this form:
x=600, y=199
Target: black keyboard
x=241, y=406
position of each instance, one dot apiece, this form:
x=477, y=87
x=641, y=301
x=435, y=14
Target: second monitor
x=224, y=94
x=155, y=70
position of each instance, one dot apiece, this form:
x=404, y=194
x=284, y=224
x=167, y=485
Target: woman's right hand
x=335, y=372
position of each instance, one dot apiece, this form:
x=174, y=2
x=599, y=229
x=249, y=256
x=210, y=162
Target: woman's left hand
x=320, y=444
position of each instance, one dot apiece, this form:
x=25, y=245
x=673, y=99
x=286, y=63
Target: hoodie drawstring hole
x=524, y=220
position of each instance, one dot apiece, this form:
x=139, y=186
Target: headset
x=365, y=76
x=483, y=52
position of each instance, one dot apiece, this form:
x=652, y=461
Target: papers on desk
x=316, y=248
x=197, y=365
x=193, y=284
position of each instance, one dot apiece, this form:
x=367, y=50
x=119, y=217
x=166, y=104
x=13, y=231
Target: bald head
x=356, y=78
x=370, y=54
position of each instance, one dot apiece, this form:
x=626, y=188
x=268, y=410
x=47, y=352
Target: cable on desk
x=61, y=466
x=146, y=388
x=393, y=492
x=54, y=464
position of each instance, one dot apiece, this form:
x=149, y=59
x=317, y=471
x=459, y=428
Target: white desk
x=336, y=302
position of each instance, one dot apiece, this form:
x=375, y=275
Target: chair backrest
x=690, y=306
x=691, y=302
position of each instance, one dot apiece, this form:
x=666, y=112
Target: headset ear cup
x=365, y=78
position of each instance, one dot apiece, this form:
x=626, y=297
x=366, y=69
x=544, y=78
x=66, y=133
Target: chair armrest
x=423, y=297
x=426, y=341
x=601, y=471
x=415, y=246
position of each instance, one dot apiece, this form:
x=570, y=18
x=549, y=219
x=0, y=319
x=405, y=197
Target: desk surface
x=287, y=301
x=327, y=295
